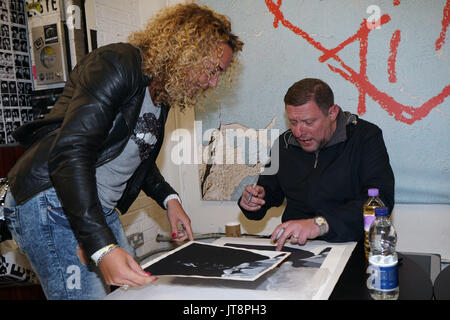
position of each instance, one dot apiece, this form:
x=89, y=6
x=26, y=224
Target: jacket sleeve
x=101, y=83
x=346, y=222
x=155, y=186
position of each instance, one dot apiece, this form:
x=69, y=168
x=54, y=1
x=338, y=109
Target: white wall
x=420, y=228
x=423, y=228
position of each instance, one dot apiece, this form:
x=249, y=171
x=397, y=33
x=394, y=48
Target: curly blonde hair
x=176, y=42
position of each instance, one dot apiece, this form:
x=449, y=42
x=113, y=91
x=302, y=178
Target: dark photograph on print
x=211, y=261
x=298, y=257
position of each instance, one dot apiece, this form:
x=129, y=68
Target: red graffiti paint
x=395, y=40
x=396, y=2
x=445, y=22
x=400, y=112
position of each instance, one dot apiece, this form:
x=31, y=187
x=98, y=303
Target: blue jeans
x=42, y=231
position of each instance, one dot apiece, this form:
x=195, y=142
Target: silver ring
x=124, y=287
x=295, y=237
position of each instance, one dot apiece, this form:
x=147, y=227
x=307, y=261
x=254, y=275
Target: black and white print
x=203, y=260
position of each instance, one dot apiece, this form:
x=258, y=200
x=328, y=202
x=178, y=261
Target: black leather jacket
x=89, y=125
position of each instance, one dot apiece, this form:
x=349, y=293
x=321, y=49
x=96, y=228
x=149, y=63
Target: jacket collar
x=344, y=119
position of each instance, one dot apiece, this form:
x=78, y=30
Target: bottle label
x=368, y=219
x=383, y=278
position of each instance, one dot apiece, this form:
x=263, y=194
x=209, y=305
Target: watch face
x=321, y=223
x=320, y=220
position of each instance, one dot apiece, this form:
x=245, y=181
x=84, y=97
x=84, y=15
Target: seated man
x=328, y=160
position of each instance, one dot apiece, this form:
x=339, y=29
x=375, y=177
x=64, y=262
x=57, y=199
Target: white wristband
x=101, y=253
x=170, y=197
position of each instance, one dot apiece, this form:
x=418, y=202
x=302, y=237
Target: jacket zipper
x=316, y=154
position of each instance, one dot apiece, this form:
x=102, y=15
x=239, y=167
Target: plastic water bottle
x=369, y=215
x=383, y=269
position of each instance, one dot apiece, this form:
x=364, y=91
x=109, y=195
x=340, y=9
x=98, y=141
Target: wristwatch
x=322, y=224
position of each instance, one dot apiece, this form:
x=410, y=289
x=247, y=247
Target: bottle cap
x=373, y=192
x=381, y=212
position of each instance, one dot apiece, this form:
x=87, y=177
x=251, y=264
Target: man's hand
x=298, y=231
x=256, y=201
x=179, y=221
x=119, y=268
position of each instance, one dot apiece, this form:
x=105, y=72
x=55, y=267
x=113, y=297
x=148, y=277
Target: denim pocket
x=108, y=211
x=111, y=215
x=55, y=211
x=13, y=223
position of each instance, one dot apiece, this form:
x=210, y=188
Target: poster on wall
x=48, y=50
x=47, y=44
x=15, y=73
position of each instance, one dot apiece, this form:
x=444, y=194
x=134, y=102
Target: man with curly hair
x=96, y=150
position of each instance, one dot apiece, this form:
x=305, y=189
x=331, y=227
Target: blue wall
x=393, y=71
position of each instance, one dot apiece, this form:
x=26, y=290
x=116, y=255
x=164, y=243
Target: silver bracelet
x=112, y=247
